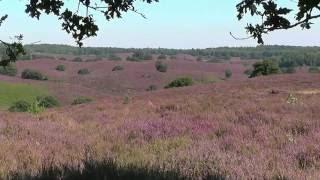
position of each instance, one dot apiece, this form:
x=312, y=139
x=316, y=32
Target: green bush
x=60, y=68
x=152, y=88
x=264, y=68
x=47, y=101
x=33, y=74
x=314, y=69
x=162, y=57
x=228, y=73
x=84, y=71
x=81, y=100
x=118, y=68
x=77, y=59
x=114, y=57
x=180, y=82
x=173, y=57
x=9, y=70
x=248, y=72
x=20, y=106
x=289, y=70
x=140, y=56
x=161, y=67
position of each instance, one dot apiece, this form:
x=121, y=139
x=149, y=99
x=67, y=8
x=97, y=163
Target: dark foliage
x=228, y=73
x=180, y=82
x=265, y=68
x=84, y=71
x=81, y=100
x=152, y=88
x=118, y=68
x=48, y=101
x=20, y=106
x=33, y=74
x=161, y=66
x=60, y=68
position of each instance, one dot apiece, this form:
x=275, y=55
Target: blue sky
x=170, y=24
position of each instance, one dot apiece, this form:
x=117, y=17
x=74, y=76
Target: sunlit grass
x=12, y=92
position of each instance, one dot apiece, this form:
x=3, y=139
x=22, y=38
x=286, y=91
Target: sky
x=180, y=24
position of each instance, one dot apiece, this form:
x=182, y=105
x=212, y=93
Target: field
x=237, y=128
x=12, y=92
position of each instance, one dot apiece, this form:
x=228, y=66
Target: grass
x=12, y=92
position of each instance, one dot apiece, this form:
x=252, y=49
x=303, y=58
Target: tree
x=275, y=17
x=264, y=68
x=80, y=26
x=228, y=73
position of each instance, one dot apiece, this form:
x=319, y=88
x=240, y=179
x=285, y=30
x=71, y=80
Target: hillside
x=253, y=129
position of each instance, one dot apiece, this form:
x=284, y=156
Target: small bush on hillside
x=152, y=88
x=180, y=82
x=140, y=56
x=81, y=100
x=33, y=74
x=162, y=57
x=248, y=72
x=264, y=68
x=173, y=57
x=161, y=67
x=228, y=73
x=77, y=59
x=199, y=58
x=20, y=106
x=114, y=57
x=289, y=70
x=36, y=108
x=314, y=70
x=9, y=70
x=60, y=68
x=83, y=71
x=47, y=101
x=62, y=59
x=118, y=68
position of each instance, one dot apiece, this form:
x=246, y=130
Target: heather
x=239, y=130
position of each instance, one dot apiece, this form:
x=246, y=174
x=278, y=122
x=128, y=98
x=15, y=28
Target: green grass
x=12, y=92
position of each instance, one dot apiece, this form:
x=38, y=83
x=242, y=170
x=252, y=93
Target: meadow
x=218, y=128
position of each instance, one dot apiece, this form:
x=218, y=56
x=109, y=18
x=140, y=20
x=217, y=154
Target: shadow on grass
x=108, y=171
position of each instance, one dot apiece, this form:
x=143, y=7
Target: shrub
x=33, y=74
x=152, y=88
x=162, y=57
x=118, y=68
x=20, y=106
x=314, y=70
x=84, y=71
x=173, y=57
x=81, y=100
x=161, y=67
x=77, y=59
x=9, y=70
x=180, y=82
x=60, y=68
x=62, y=59
x=36, y=108
x=264, y=68
x=47, y=101
x=199, y=58
x=140, y=56
x=228, y=73
x=114, y=57
x=289, y=70
x=248, y=72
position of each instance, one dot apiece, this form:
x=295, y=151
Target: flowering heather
x=227, y=130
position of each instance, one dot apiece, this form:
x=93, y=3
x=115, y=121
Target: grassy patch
x=12, y=92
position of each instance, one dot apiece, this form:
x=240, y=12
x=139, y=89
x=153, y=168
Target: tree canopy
x=82, y=26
